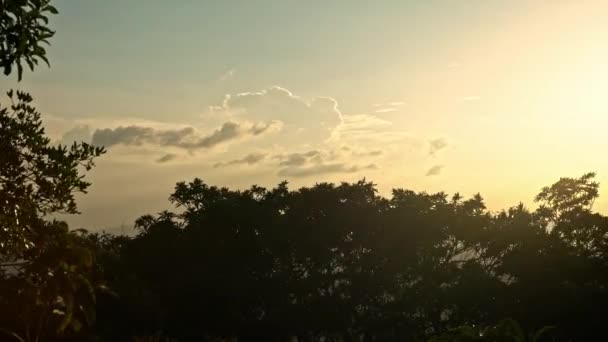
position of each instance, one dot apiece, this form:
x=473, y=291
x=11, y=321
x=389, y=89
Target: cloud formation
x=324, y=169
x=388, y=107
x=276, y=103
x=298, y=159
x=228, y=74
x=250, y=159
x=437, y=144
x=385, y=110
x=78, y=133
x=316, y=162
x=187, y=138
x=435, y=170
x=166, y=158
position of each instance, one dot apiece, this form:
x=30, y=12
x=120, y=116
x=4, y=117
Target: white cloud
x=276, y=103
x=228, y=74
x=385, y=110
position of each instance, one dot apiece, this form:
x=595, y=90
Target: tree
x=23, y=33
x=38, y=179
x=45, y=270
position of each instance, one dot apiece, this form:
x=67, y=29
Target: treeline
x=341, y=263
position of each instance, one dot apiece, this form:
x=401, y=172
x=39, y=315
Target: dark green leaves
x=24, y=34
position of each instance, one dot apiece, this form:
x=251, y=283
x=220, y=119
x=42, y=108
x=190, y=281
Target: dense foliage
x=342, y=263
x=45, y=270
x=24, y=32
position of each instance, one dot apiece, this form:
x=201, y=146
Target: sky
x=491, y=96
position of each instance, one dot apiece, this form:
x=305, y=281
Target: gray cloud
x=187, y=138
x=373, y=153
x=297, y=159
x=435, y=170
x=250, y=159
x=323, y=169
x=78, y=134
x=166, y=158
x=436, y=145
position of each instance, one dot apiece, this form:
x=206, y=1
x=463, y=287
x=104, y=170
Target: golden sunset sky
x=498, y=97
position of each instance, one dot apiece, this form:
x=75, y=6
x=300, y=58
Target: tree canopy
x=340, y=262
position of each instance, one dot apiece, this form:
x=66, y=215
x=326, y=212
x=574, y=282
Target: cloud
x=323, y=169
x=385, y=110
x=373, y=153
x=435, y=170
x=387, y=107
x=276, y=103
x=187, y=138
x=78, y=133
x=314, y=162
x=298, y=159
x=390, y=104
x=250, y=159
x=166, y=158
x=436, y=145
x=228, y=74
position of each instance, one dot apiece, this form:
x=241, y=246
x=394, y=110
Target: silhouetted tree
x=23, y=32
x=341, y=263
x=46, y=287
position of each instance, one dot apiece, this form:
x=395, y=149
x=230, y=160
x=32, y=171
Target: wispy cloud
x=388, y=107
x=385, y=110
x=228, y=74
x=187, y=138
x=166, y=158
x=390, y=104
x=436, y=145
x=435, y=170
x=78, y=133
x=324, y=169
x=297, y=159
x=250, y=159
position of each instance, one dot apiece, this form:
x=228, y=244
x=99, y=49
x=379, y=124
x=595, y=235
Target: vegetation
x=342, y=263
x=331, y=262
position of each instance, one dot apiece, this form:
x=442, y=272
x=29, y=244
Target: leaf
x=542, y=333
x=52, y=9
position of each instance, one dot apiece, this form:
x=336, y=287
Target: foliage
x=506, y=330
x=339, y=262
x=45, y=269
x=23, y=33
x=36, y=178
